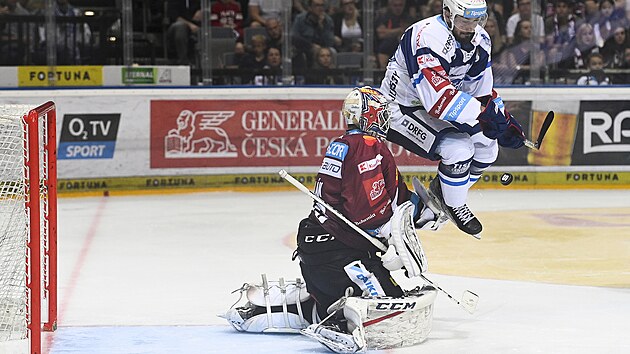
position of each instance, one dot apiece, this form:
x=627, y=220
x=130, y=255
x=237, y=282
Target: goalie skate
x=334, y=339
x=432, y=202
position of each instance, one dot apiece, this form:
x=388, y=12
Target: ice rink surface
x=149, y=274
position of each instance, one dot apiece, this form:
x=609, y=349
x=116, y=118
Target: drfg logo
x=611, y=133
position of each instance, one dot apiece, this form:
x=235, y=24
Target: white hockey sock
x=454, y=190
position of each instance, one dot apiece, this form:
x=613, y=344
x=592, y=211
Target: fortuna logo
x=369, y=165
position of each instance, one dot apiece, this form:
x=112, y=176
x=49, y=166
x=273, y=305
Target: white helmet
x=368, y=110
x=466, y=14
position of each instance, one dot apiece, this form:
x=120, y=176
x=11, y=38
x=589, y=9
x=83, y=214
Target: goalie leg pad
x=392, y=322
x=406, y=242
x=274, y=306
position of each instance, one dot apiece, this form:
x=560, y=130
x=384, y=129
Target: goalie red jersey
x=358, y=177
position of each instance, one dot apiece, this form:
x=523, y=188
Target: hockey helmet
x=367, y=109
x=466, y=15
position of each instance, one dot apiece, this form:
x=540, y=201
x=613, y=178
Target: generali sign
x=241, y=133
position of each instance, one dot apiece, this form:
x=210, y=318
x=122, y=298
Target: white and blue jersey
x=431, y=69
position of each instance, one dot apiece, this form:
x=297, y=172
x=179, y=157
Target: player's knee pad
x=455, y=147
x=392, y=322
x=274, y=306
x=487, y=152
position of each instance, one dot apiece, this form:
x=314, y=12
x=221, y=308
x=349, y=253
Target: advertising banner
x=242, y=133
x=88, y=136
x=37, y=76
x=603, y=135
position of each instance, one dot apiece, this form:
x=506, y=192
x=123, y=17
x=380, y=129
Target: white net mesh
x=13, y=224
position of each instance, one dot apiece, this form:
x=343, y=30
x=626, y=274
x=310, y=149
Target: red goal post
x=28, y=225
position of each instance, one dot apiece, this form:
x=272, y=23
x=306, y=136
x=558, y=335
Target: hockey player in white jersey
x=444, y=106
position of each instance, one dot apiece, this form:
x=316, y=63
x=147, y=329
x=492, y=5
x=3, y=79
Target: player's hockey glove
x=513, y=137
x=492, y=119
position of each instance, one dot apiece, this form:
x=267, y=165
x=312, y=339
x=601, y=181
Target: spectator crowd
x=568, y=39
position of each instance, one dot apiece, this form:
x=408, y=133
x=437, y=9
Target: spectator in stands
x=273, y=68
x=560, y=27
x=624, y=78
x=389, y=27
x=347, y=25
x=496, y=38
x=434, y=7
x=73, y=39
x=495, y=9
x=524, y=13
x=591, y=11
x=254, y=61
x=502, y=73
x=312, y=30
x=261, y=10
x=603, y=26
x=274, y=32
x=575, y=54
x=518, y=55
x=595, y=75
x=614, y=48
x=227, y=13
x=322, y=72
x=184, y=29
x=16, y=39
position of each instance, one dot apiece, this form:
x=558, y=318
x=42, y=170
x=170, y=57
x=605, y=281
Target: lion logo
x=198, y=135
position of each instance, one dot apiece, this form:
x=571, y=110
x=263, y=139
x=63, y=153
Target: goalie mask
x=465, y=15
x=368, y=110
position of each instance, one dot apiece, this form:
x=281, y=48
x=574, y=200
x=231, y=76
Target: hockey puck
x=506, y=179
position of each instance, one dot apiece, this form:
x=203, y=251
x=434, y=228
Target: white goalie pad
x=379, y=323
x=393, y=322
x=266, y=308
x=405, y=240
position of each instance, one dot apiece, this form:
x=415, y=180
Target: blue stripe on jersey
x=480, y=65
x=337, y=150
x=457, y=107
x=410, y=59
x=465, y=128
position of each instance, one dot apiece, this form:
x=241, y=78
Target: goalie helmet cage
x=28, y=226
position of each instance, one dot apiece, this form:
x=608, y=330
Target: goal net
x=28, y=226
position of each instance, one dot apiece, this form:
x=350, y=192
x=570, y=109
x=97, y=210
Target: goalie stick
x=284, y=174
x=469, y=299
x=541, y=134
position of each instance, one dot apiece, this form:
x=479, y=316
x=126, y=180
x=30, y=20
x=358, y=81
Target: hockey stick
x=543, y=130
x=284, y=174
x=469, y=299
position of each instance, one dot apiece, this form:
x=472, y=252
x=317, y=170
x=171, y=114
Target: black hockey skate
x=460, y=216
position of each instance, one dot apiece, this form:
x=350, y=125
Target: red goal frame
x=41, y=277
